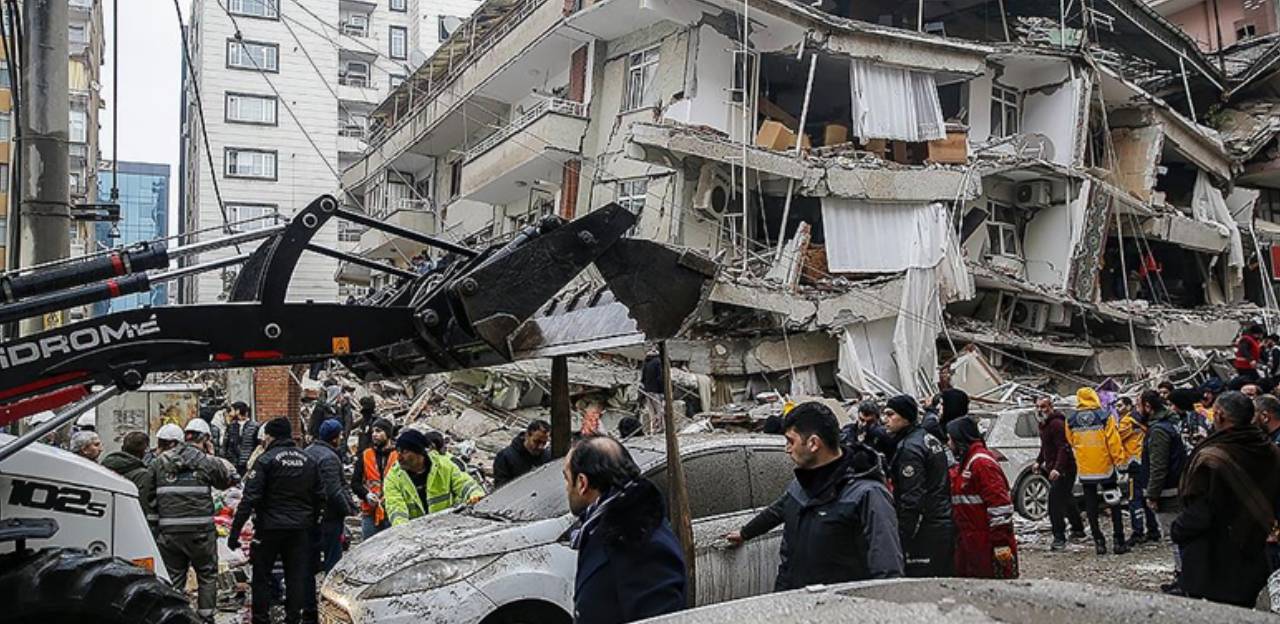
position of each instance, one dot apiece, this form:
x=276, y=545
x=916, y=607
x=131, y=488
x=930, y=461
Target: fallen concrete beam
x=684, y=142
x=1188, y=233
x=1017, y=343
x=908, y=185
x=861, y=304
x=796, y=310
x=751, y=356
x=1215, y=333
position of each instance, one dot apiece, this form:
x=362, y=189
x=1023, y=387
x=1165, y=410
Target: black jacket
x=281, y=491
x=1220, y=537
x=921, y=486
x=246, y=440
x=329, y=464
x=873, y=435
x=630, y=565
x=651, y=375
x=841, y=528
x=515, y=460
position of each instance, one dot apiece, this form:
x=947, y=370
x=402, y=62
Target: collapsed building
x=1007, y=192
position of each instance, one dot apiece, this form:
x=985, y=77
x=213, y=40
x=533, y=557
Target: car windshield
x=535, y=496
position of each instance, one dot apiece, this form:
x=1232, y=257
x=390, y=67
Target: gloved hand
x=373, y=498
x=475, y=498
x=233, y=542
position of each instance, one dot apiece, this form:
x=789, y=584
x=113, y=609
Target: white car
x=507, y=559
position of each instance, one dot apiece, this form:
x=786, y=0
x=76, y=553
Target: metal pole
x=60, y=418
x=804, y=115
x=677, y=490
x=920, y=17
x=45, y=212
x=1186, y=86
x=560, y=406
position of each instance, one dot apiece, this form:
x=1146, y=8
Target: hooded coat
x=982, y=508
x=1095, y=440
x=133, y=469
x=840, y=526
x=516, y=460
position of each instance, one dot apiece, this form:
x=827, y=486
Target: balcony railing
x=549, y=105
x=355, y=80
x=352, y=29
x=355, y=131
x=406, y=204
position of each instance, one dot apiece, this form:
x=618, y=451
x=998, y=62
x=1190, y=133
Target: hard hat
x=88, y=420
x=198, y=425
x=42, y=417
x=170, y=432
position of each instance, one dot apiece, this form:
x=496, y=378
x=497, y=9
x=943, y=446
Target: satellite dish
x=1036, y=145
x=416, y=58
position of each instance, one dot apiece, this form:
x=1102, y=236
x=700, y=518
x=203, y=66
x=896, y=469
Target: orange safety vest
x=373, y=482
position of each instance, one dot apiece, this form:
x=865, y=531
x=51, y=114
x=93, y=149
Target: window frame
x=232, y=217
x=6, y=126
x=4, y=183
x=404, y=6
x=455, y=179
x=241, y=13
x=232, y=41
x=5, y=83
x=647, y=70
x=1006, y=98
x=71, y=126
x=391, y=50
x=226, y=163
x=226, y=109
x=1002, y=226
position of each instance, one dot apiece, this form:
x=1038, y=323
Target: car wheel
x=1031, y=498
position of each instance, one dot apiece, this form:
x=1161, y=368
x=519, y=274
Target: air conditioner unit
x=1059, y=315
x=714, y=191
x=1029, y=315
x=1037, y=194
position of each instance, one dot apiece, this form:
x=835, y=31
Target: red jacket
x=1055, y=451
x=983, y=514
x=1248, y=351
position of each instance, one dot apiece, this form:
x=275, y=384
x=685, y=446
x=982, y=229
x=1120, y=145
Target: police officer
x=921, y=491
x=184, y=476
x=283, y=494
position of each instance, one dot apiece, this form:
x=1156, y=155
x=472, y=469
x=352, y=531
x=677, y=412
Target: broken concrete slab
x=875, y=183
x=1186, y=232
x=795, y=310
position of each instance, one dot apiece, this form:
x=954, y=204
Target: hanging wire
x=115, y=101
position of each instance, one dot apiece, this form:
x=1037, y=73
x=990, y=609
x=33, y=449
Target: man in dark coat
x=838, y=516
x=867, y=429
x=1057, y=463
x=127, y=462
x=326, y=538
x=630, y=565
x=242, y=436
x=527, y=451
x=921, y=492
x=1228, y=495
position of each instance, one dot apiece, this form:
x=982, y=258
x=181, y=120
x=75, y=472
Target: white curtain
x=883, y=237
x=1208, y=206
x=915, y=337
x=893, y=103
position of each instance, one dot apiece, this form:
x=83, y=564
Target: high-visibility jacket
x=1131, y=434
x=373, y=479
x=983, y=513
x=1095, y=440
x=447, y=487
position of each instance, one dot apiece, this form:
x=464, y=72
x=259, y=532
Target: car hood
x=450, y=535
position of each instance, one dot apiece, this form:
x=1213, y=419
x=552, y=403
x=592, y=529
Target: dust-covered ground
x=1144, y=568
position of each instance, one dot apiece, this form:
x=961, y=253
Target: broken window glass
x=1006, y=111
x=1002, y=231
x=641, y=67
x=631, y=195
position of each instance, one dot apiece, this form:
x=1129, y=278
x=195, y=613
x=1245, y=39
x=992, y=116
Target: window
x=4, y=75
x=771, y=471
x=74, y=180
x=455, y=178
x=77, y=33
x=744, y=74
x=640, y=70
x=253, y=55
x=251, y=109
x=1002, y=230
x=77, y=126
x=399, y=43
x=4, y=232
x=4, y=181
x=1006, y=117
x=251, y=163
x=395, y=80
x=447, y=25
x=349, y=232
x=1245, y=30
x=354, y=74
x=356, y=25
x=253, y=216
x=399, y=5
x=4, y=125
x=269, y=9
x=1027, y=426
x=718, y=483
x=631, y=195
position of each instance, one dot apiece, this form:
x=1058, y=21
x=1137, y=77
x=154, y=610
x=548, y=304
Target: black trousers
x=1062, y=507
x=932, y=553
x=1092, y=507
x=293, y=546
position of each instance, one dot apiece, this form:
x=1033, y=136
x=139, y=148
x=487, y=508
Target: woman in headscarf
x=980, y=506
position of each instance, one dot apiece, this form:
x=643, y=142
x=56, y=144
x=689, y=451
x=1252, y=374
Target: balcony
x=358, y=30
x=357, y=88
x=532, y=148
x=351, y=137
x=412, y=214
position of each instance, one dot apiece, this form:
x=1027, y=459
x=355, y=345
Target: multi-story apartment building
x=287, y=87
x=1219, y=24
x=6, y=148
x=144, y=216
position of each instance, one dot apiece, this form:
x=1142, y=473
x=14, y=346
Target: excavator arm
x=481, y=308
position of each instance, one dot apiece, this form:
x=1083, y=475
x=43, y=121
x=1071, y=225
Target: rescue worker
x=867, y=429
x=981, y=506
x=921, y=491
x=630, y=565
x=1132, y=428
x=127, y=462
x=284, y=495
x=530, y=449
x=1248, y=358
x=86, y=444
x=370, y=473
x=326, y=539
x=185, y=477
x=838, y=516
x=1095, y=441
x=416, y=485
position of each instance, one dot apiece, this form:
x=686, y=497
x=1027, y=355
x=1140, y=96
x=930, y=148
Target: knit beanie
x=955, y=403
x=330, y=430
x=385, y=425
x=278, y=428
x=905, y=407
x=964, y=431
x=412, y=440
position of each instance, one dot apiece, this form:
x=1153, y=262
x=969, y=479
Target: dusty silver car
x=965, y=600
x=507, y=559
x=1014, y=435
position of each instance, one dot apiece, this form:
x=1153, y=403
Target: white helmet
x=87, y=420
x=42, y=417
x=198, y=425
x=170, y=432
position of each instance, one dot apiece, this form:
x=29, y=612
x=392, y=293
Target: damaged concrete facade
x=880, y=198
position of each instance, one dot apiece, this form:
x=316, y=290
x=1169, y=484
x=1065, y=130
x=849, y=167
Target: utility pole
x=45, y=210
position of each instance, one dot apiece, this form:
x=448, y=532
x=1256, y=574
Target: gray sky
x=150, y=85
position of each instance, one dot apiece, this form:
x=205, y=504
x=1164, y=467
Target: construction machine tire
x=71, y=586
